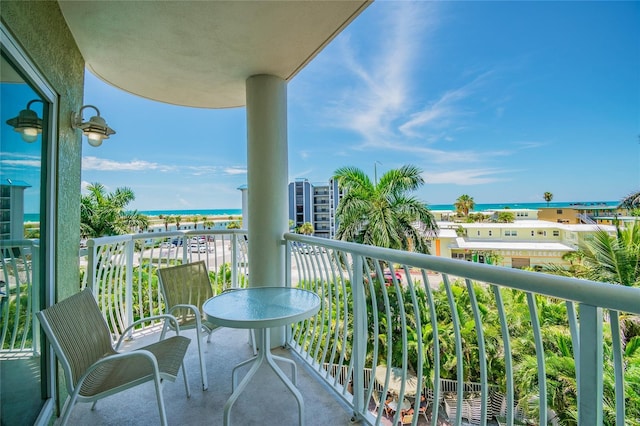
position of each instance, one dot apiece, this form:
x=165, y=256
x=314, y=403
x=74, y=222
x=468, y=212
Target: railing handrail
x=618, y=297
x=92, y=242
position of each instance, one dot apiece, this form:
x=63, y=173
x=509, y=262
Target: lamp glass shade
x=28, y=124
x=94, y=139
x=30, y=134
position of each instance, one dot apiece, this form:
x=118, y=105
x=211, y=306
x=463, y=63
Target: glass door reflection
x=22, y=153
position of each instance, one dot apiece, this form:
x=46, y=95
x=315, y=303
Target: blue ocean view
x=533, y=206
x=35, y=217
x=202, y=212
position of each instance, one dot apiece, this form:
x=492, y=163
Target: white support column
x=267, y=176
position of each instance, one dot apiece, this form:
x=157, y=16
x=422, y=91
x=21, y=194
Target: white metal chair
x=185, y=288
x=93, y=369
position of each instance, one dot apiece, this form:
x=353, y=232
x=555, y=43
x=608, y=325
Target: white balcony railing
x=19, y=295
x=480, y=341
x=121, y=269
x=451, y=322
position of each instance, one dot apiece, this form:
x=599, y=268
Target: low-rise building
x=523, y=243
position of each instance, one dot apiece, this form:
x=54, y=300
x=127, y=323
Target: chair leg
x=68, y=405
x=203, y=367
x=186, y=381
x=252, y=340
x=163, y=414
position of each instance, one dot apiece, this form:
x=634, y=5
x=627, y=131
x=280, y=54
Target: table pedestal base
x=264, y=354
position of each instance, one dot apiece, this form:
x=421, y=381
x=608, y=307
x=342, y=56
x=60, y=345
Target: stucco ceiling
x=200, y=53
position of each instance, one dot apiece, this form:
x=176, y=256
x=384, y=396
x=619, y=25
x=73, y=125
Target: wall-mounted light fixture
x=95, y=129
x=27, y=123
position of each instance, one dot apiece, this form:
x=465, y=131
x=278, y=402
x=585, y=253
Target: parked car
x=388, y=277
x=177, y=242
x=197, y=248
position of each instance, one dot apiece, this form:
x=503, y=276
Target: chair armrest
x=166, y=317
x=110, y=358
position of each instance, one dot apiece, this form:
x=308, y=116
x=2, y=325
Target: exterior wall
x=42, y=32
x=558, y=215
x=321, y=213
x=300, y=207
x=313, y=204
x=535, y=232
x=604, y=215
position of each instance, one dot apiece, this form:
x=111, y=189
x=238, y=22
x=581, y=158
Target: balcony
x=265, y=401
x=479, y=342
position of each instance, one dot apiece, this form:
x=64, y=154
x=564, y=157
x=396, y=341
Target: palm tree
x=177, y=220
x=168, y=220
x=547, y=197
x=306, y=228
x=195, y=220
x=464, y=204
x=383, y=214
x=103, y=213
x=631, y=201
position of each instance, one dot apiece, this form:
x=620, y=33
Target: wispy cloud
x=467, y=177
x=444, y=111
x=235, y=170
x=530, y=144
x=381, y=106
x=102, y=164
x=302, y=174
x=381, y=94
x=13, y=160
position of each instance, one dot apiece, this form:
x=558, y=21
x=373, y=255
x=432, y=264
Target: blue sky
x=498, y=100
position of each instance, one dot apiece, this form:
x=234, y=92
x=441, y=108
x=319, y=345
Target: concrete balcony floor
x=266, y=401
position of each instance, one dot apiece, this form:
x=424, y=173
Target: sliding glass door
x=26, y=144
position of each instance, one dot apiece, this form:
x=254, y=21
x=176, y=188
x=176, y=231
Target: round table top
x=261, y=307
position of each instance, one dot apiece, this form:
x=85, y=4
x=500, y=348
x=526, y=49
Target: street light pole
x=375, y=171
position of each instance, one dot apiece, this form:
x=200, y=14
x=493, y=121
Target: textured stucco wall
x=42, y=32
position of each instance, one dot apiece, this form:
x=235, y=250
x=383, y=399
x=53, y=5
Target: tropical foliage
x=145, y=282
x=505, y=217
x=547, y=197
x=236, y=224
x=464, y=204
x=384, y=214
x=103, y=214
x=306, y=228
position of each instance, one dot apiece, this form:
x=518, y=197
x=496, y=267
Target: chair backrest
x=78, y=333
x=185, y=284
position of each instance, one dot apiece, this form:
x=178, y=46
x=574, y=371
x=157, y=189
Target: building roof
x=528, y=224
x=509, y=245
x=200, y=53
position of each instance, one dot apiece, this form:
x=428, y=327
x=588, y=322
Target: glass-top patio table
x=262, y=308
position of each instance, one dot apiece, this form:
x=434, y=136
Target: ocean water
x=35, y=217
x=532, y=206
x=186, y=213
